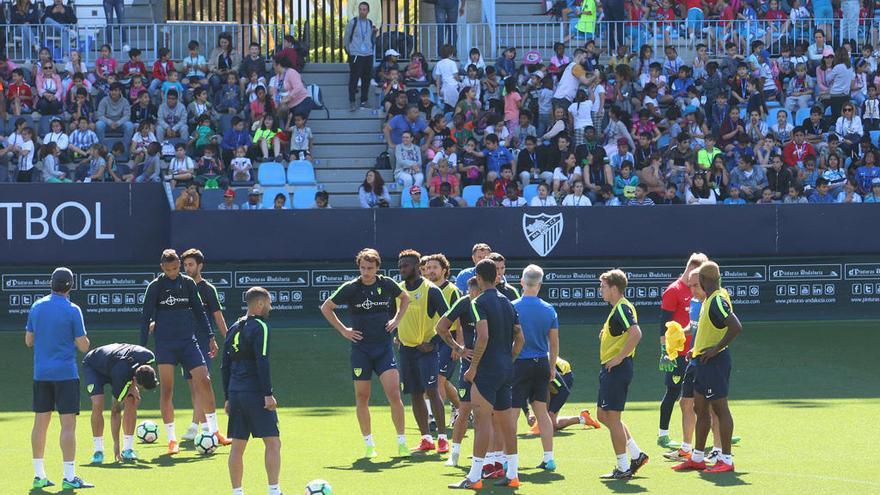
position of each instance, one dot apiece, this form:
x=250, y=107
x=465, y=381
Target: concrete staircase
x=345, y=145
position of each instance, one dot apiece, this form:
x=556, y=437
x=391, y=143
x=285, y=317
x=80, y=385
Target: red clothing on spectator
x=501, y=187
x=160, y=70
x=692, y=4
x=677, y=300
x=775, y=15
x=291, y=56
x=131, y=68
x=792, y=153
x=21, y=90
x=439, y=179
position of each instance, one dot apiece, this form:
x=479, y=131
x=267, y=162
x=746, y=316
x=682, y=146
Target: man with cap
x=228, y=201
x=124, y=367
x=254, y=201
x=360, y=42
x=55, y=329
x=415, y=194
x=874, y=195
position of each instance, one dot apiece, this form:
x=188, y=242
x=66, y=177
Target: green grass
x=805, y=397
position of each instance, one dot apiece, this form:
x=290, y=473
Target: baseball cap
x=257, y=190
x=827, y=52
x=875, y=181
x=539, y=74
x=229, y=193
x=391, y=52
x=415, y=190
x=622, y=141
x=62, y=279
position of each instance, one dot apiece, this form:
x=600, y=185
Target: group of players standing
x=507, y=344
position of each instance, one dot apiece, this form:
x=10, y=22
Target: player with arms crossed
x=717, y=329
x=675, y=306
x=173, y=305
x=371, y=298
x=499, y=340
x=617, y=345
x=247, y=387
x=124, y=367
x=193, y=264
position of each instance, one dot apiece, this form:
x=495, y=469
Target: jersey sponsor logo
x=90, y=387
x=369, y=304
x=676, y=379
x=462, y=392
x=171, y=300
x=543, y=231
x=358, y=371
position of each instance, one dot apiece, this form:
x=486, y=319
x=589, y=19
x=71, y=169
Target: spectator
x=322, y=200
x=278, y=202
x=512, y=199
x=446, y=15
x=241, y=165
x=796, y=151
x=840, y=78
x=446, y=78
x=114, y=113
x=252, y=63
x=291, y=96
x=577, y=197
x=189, y=199
x=234, y=138
x=228, y=201
x=874, y=195
x=143, y=110
x=543, y=198
x=670, y=196
x=288, y=52
x=410, y=121
x=573, y=76
x=254, y=200
x=82, y=139
x=172, y=119
x=415, y=199
x=224, y=60
x=488, y=200
x=750, y=180
x=300, y=139
x=867, y=173
x=360, y=38
x=640, y=197
x=181, y=168
x=444, y=199
x=794, y=196
x=59, y=16
x=372, y=192
x=849, y=128
x=151, y=171
x=25, y=15
x=766, y=197
x=779, y=178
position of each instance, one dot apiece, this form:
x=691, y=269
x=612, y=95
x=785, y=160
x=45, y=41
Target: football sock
x=368, y=440
x=623, y=462
x=512, y=466
x=428, y=438
x=99, y=443
x=633, y=449
x=726, y=459
x=211, y=418
x=274, y=490
x=202, y=427
x=456, y=448
x=663, y=433
x=548, y=456
x=581, y=420
x=127, y=442
x=193, y=427
x=476, y=472
x=686, y=447
x=169, y=430
x=39, y=468
x=237, y=491
x=401, y=439
x=697, y=455
x=69, y=470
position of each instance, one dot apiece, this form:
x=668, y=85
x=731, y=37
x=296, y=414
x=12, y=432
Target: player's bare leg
x=458, y=430
x=129, y=421
x=505, y=430
x=391, y=386
x=439, y=408
x=703, y=425
x=272, y=459
x=482, y=419
x=198, y=416
x=38, y=448
x=236, y=462
x=205, y=396
x=725, y=431
x=166, y=405
x=97, y=420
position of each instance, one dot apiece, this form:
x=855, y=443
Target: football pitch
x=805, y=397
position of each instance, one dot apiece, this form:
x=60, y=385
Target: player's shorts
x=248, y=417
x=614, y=385
x=464, y=387
x=447, y=364
x=687, y=381
x=673, y=378
x=496, y=389
x=367, y=359
x=94, y=381
x=695, y=18
x=418, y=370
x=185, y=353
x=204, y=347
x=60, y=395
x=712, y=379
x=531, y=379
x=561, y=396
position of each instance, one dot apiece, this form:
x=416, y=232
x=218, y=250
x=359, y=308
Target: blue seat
x=211, y=198
x=772, y=104
x=471, y=194
x=663, y=141
x=269, y=194
x=406, y=199
x=530, y=192
x=300, y=173
x=801, y=115
x=304, y=197
x=271, y=174
x=875, y=137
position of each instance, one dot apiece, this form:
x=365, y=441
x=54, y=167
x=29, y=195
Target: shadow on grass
x=725, y=479
x=139, y=464
x=369, y=466
x=540, y=477
x=810, y=404
x=624, y=486
x=173, y=460
x=320, y=411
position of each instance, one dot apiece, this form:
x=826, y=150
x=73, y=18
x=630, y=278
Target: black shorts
x=464, y=387
x=95, y=381
x=687, y=381
x=614, y=385
x=496, y=389
x=712, y=380
x=204, y=348
x=186, y=353
x=418, y=370
x=673, y=379
x=61, y=396
x=531, y=379
x=369, y=358
x=447, y=364
x=561, y=397
x=248, y=417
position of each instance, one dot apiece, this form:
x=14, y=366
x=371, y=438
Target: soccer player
x=559, y=390
x=371, y=298
x=499, y=340
x=535, y=365
x=437, y=271
x=55, y=329
x=124, y=367
x=419, y=352
x=617, y=345
x=247, y=387
x=675, y=306
x=173, y=305
x=478, y=253
x=193, y=264
x=461, y=312
x=507, y=290
x=718, y=327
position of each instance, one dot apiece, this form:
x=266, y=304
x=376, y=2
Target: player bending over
x=559, y=390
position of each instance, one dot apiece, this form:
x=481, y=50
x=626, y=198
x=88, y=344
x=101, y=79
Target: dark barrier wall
x=762, y=289
x=752, y=230
x=82, y=223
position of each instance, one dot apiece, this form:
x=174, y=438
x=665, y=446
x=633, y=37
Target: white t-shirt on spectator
x=598, y=91
x=581, y=113
x=58, y=138
x=559, y=174
x=446, y=70
x=26, y=161
x=572, y=200
x=179, y=166
x=520, y=201
x=548, y=201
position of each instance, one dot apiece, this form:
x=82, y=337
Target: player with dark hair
x=617, y=345
x=717, y=329
x=478, y=253
x=419, y=353
x=173, y=311
x=124, y=367
x=193, y=264
x=371, y=299
x=247, y=387
x=498, y=341
x=507, y=290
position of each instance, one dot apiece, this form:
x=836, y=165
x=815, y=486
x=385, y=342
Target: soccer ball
x=318, y=487
x=147, y=432
x=206, y=443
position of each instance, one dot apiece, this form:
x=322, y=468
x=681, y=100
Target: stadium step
x=519, y=11
x=348, y=176
x=322, y=151
x=327, y=138
x=345, y=163
x=353, y=125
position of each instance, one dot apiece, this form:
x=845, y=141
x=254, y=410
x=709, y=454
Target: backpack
x=412, y=96
x=383, y=161
x=317, y=98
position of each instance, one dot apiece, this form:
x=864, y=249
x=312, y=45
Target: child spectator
x=871, y=110
x=408, y=156
x=228, y=99
x=475, y=58
x=300, y=139
x=512, y=105
x=105, y=65
x=580, y=115
x=172, y=119
x=470, y=166
x=204, y=134
x=82, y=139
x=210, y=170
x=181, y=168
x=234, y=139
x=195, y=67
x=161, y=68
x=733, y=197
x=142, y=140
x=134, y=66
x=19, y=94
x=800, y=90
x=266, y=139
x=241, y=166
x=445, y=175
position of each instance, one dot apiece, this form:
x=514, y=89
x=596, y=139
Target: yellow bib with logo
x=563, y=366
x=707, y=335
x=450, y=295
x=416, y=327
x=609, y=345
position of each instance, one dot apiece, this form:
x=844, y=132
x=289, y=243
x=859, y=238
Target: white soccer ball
x=206, y=443
x=147, y=432
x=318, y=487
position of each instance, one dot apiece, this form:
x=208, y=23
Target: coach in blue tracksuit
x=55, y=330
x=172, y=311
x=247, y=385
x=535, y=366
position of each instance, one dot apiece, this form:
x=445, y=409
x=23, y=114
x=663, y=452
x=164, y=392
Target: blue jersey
x=117, y=364
x=536, y=317
x=370, y=307
x=176, y=307
x=462, y=312
x=500, y=316
x=246, y=357
x=56, y=323
x=461, y=280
